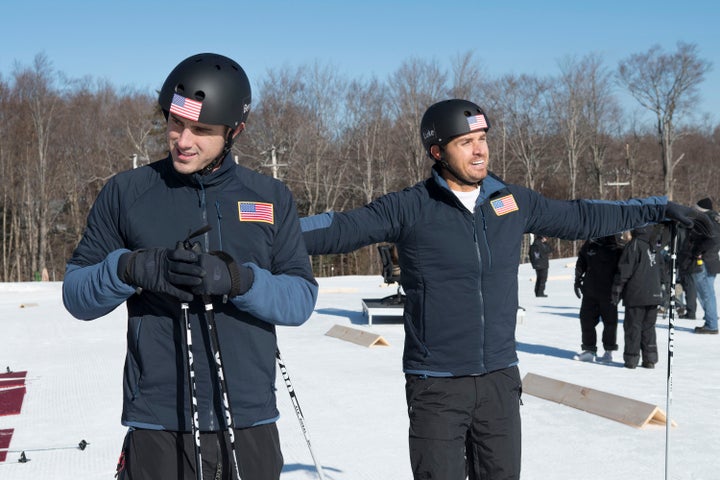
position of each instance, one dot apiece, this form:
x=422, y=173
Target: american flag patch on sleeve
x=256, y=212
x=504, y=205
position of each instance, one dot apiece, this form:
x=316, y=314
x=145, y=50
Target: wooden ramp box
x=361, y=337
x=621, y=409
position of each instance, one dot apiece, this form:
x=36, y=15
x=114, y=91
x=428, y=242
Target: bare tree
x=523, y=101
x=666, y=84
x=36, y=89
x=415, y=86
x=604, y=117
x=367, y=138
x=6, y=171
x=586, y=111
x=468, y=80
x=278, y=120
x=568, y=99
x=366, y=144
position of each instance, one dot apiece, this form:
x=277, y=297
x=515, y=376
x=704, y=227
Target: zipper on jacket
x=203, y=212
x=479, y=289
x=219, y=224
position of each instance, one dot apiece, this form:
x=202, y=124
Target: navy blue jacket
x=459, y=269
x=155, y=206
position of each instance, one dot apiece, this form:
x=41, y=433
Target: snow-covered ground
x=352, y=396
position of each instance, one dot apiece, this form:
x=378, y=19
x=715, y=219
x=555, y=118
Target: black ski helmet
x=448, y=119
x=207, y=88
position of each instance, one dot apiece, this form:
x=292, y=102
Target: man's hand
x=616, y=294
x=161, y=270
x=578, y=287
x=222, y=276
x=680, y=213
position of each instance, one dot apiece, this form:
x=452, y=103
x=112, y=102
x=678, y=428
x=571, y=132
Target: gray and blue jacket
x=459, y=269
x=254, y=219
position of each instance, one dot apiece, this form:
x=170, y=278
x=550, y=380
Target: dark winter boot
x=631, y=360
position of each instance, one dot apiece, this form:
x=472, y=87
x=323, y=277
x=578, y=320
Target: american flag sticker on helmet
x=185, y=107
x=477, y=122
x=256, y=212
x=504, y=205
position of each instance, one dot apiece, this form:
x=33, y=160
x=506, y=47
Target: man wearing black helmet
x=245, y=272
x=459, y=235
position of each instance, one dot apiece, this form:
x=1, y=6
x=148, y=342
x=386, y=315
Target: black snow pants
x=465, y=427
x=159, y=454
x=591, y=312
x=640, y=336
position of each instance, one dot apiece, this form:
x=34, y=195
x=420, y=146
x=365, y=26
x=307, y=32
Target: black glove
x=161, y=270
x=577, y=286
x=681, y=214
x=222, y=276
x=615, y=295
x=703, y=226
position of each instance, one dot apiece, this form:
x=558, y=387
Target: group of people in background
x=638, y=272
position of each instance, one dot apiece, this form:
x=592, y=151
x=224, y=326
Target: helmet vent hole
x=199, y=95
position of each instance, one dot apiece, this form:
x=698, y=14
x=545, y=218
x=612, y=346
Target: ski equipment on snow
x=298, y=411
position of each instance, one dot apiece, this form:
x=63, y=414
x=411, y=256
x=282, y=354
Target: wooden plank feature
x=615, y=407
x=361, y=337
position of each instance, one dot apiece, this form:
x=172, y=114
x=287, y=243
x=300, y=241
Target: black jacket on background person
x=540, y=253
x=596, y=266
x=639, y=275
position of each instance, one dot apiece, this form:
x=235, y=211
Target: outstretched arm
x=334, y=232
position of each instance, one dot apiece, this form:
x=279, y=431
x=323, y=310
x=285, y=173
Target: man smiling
x=458, y=235
x=246, y=272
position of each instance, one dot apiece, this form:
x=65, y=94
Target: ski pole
x=671, y=335
x=82, y=445
x=298, y=411
x=220, y=374
x=193, y=393
x=215, y=351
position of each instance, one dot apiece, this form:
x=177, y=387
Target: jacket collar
x=488, y=188
x=219, y=176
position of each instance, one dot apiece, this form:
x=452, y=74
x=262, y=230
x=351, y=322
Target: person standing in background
x=638, y=282
x=595, y=270
x=705, y=253
x=686, y=265
x=540, y=261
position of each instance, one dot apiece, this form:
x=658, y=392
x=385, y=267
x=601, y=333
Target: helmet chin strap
x=447, y=166
x=210, y=167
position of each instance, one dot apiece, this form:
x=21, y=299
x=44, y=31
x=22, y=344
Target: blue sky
x=136, y=43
